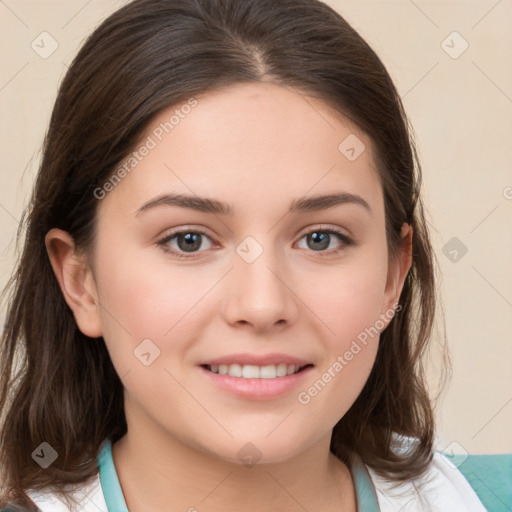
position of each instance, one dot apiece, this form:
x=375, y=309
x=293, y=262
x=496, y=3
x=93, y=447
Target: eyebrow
x=207, y=205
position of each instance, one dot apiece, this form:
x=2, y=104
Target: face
x=273, y=281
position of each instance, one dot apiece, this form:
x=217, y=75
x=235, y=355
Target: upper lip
x=256, y=360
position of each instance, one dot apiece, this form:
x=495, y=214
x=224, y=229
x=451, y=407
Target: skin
x=256, y=146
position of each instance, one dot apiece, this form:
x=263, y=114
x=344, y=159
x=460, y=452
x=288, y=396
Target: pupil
x=192, y=241
x=322, y=238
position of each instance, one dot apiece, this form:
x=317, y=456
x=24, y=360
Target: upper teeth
x=249, y=371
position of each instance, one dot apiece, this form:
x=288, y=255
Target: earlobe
x=76, y=281
x=398, y=270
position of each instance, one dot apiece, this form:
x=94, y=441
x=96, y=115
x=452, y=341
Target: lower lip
x=257, y=389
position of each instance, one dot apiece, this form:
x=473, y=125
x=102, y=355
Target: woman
x=227, y=285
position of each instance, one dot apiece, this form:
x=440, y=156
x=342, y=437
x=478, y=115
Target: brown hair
x=60, y=387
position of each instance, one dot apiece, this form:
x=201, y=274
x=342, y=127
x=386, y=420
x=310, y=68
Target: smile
x=249, y=371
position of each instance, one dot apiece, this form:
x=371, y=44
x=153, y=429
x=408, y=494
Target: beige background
x=461, y=110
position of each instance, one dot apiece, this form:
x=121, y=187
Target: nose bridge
x=258, y=293
x=257, y=264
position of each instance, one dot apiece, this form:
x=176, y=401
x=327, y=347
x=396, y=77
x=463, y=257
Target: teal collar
x=365, y=491
x=109, y=482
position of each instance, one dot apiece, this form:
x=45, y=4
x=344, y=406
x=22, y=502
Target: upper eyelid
x=204, y=231
x=179, y=231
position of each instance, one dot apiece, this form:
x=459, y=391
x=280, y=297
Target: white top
x=442, y=488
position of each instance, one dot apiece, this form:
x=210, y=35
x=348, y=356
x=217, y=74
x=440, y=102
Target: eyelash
x=346, y=241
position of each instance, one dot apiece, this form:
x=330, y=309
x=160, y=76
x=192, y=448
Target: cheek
x=141, y=300
x=348, y=312
x=347, y=305
x=347, y=299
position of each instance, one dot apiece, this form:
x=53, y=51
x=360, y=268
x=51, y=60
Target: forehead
x=250, y=142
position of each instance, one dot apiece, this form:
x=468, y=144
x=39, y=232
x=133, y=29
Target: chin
x=259, y=451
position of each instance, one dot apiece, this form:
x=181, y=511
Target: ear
x=397, y=272
x=76, y=281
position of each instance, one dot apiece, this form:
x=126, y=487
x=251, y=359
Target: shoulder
x=451, y=484
x=442, y=488
x=89, y=496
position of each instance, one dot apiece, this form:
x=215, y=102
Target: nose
x=260, y=294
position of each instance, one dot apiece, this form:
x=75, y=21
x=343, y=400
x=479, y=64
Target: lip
x=257, y=389
x=257, y=360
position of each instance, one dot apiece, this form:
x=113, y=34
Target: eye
x=320, y=239
x=187, y=241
